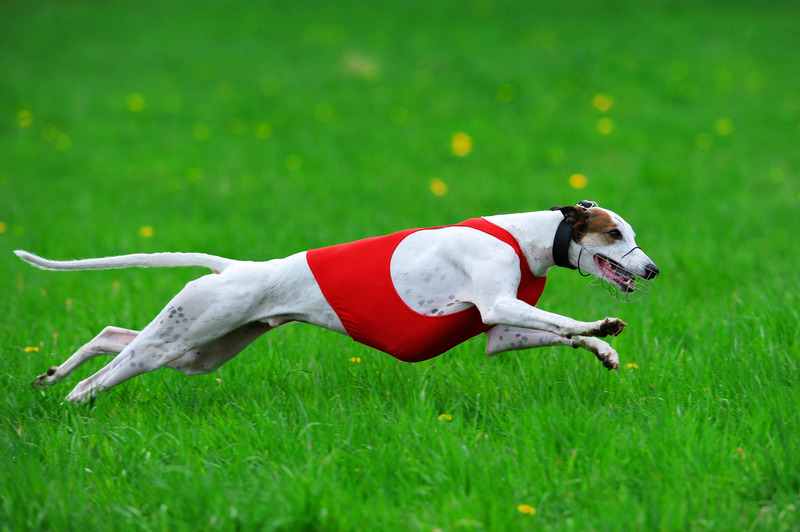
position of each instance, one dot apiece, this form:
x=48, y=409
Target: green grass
x=257, y=130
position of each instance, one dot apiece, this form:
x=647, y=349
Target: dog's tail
x=136, y=260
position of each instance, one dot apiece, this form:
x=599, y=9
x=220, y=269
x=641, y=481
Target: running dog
x=413, y=294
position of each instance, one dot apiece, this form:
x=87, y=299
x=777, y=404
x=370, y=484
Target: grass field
x=255, y=130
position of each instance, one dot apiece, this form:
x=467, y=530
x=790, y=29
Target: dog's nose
x=650, y=271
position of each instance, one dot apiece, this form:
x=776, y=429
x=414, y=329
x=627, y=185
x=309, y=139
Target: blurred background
x=258, y=129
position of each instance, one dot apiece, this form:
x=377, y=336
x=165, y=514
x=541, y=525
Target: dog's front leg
x=501, y=338
x=516, y=313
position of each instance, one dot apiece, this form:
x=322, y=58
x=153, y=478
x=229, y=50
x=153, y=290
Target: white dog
x=413, y=294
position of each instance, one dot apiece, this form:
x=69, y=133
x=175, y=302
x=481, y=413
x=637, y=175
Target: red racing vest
x=356, y=280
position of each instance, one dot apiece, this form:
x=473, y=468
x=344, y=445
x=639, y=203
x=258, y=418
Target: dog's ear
x=572, y=215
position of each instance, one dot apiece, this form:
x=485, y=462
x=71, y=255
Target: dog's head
x=602, y=244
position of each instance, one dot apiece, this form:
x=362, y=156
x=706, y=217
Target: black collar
x=561, y=245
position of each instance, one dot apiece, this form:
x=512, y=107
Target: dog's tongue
x=608, y=269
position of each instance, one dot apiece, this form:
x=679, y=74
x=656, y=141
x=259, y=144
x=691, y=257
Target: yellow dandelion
x=24, y=118
x=194, y=175
x=146, y=231
x=602, y=102
x=293, y=162
x=135, y=103
x=263, y=130
x=3, y=227
x=355, y=360
x=605, y=126
x=577, y=181
x=526, y=509
x=31, y=349
x=364, y=67
x=723, y=126
x=438, y=187
x=448, y=417
x=462, y=144
x=633, y=366
x=201, y=131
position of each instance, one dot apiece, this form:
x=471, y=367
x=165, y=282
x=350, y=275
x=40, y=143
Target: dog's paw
x=81, y=393
x=609, y=359
x=604, y=352
x=46, y=380
x=610, y=327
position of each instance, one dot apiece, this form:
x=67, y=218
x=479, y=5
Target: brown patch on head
x=596, y=225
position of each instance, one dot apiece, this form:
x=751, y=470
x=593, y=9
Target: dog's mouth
x=613, y=271
x=621, y=282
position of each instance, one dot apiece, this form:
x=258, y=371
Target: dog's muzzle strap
x=561, y=245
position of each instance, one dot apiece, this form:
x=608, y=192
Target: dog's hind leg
x=110, y=341
x=208, y=358
x=153, y=348
x=502, y=338
x=206, y=310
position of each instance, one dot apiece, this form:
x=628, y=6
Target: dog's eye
x=615, y=234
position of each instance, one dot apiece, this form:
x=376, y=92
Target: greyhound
x=413, y=294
